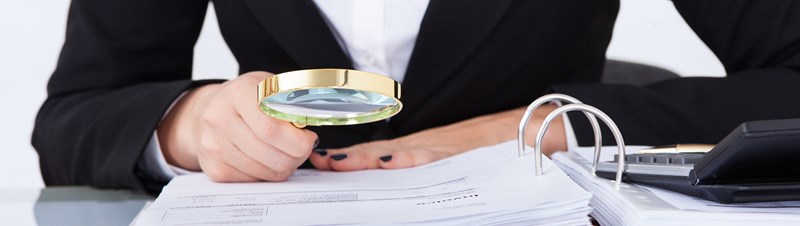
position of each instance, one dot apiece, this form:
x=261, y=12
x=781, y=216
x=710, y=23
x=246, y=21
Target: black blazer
x=124, y=62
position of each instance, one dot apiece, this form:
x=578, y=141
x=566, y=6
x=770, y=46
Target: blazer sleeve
x=758, y=42
x=121, y=66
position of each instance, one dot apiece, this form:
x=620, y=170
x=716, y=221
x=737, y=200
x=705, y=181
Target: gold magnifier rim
x=330, y=78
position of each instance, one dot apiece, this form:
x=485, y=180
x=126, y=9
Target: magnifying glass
x=320, y=97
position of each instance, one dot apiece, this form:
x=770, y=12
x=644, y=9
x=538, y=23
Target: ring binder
x=564, y=98
x=591, y=112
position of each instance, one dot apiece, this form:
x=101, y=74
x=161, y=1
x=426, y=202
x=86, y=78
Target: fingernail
x=338, y=157
x=316, y=143
x=321, y=152
x=386, y=158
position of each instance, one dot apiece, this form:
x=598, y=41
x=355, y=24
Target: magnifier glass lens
x=328, y=102
x=330, y=106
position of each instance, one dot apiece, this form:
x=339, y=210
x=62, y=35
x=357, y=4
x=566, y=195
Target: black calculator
x=758, y=161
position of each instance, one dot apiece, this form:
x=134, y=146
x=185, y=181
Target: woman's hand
x=437, y=143
x=218, y=129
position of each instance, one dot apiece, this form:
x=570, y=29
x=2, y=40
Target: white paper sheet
x=637, y=205
x=489, y=185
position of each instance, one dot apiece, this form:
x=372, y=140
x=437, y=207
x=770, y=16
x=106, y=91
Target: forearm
x=490, y=129
x=110, y=88
x=96, y=137
x=688, y=110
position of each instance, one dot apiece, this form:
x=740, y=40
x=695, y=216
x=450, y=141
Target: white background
x=32, y=32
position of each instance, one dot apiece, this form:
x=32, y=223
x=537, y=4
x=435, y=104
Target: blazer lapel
x=301, y=30
x=450, y=32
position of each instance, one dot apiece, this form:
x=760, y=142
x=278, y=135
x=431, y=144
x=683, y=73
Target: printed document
x=489, y=185
x=631, y=204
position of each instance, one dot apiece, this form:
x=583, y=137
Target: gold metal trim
x=330, y=78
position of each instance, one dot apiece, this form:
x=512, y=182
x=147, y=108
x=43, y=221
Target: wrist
x=465, y=135
x=178, y=131
x=555, y=138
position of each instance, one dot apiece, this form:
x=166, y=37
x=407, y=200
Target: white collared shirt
x=377, y=35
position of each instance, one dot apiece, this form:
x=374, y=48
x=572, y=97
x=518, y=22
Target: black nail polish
x=321, y=152
x=316, y=143
x=338, y=157
x=386, y=158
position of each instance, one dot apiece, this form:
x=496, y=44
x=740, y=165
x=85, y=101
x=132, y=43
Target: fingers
x=278, y=133
x=265, y=153
x=411, y=158
x=238, y=143
x=220, y=171
x=359, y=157
x=319, y=158
x=235, y=154
x=374, y=155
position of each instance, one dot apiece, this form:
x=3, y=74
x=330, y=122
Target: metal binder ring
x=598, y=139
x=586, y=109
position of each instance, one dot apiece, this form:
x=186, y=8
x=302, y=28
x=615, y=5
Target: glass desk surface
x=71, y=205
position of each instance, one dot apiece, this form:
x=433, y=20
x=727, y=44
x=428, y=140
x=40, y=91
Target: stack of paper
x=487, y=186
x=629, y=204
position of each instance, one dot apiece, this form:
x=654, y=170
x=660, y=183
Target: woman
x=123, y=112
